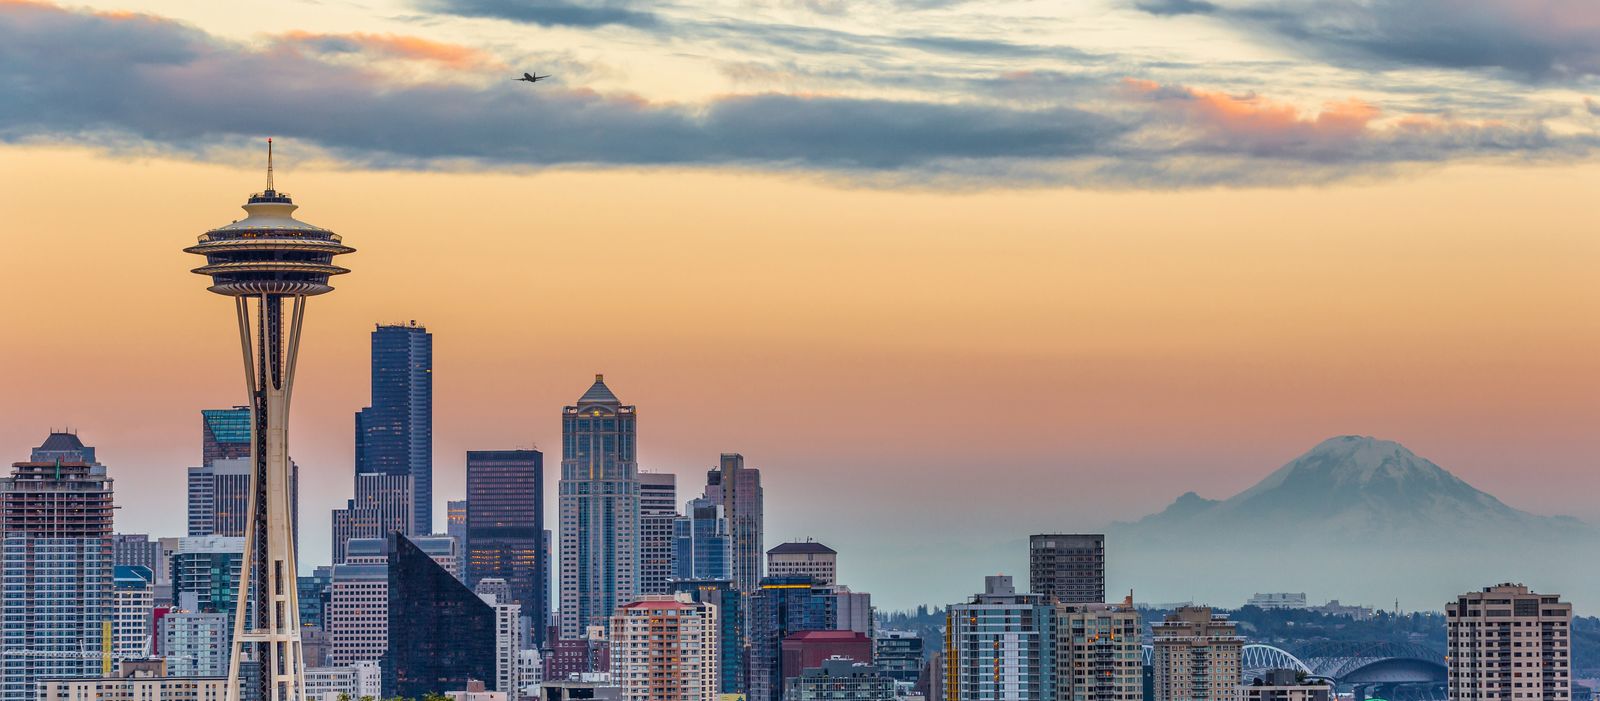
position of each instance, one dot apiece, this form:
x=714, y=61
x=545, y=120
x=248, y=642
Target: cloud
x=392, y=46
x=1535, y=40
x=180, y=91
x=550, y=12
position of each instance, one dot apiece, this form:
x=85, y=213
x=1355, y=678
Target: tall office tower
x=1507, y=642
x=898, y=653
x=738, y=490
x=133, y=596
x=449, y=632
x=664, y=648
x=455, y=525
x=599, y=509
x=781, y=607
x=206, y=573
x=358, y=595
x=55, y=513
x=841, y=679
x=505, y=527
x=730, y=622
x=196, y=644
x=1068, y=568
x=658, y=509
x=808, y=558
x=270, y=257
x=394, y=436
x=1289, y=685
x=219, y=490
x=314, y=596
x=382, y=505
x=1099, y=653
x=1000, y=646
x=702, y=547
x=1197, y=656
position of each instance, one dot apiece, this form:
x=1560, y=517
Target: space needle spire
x=267, y=261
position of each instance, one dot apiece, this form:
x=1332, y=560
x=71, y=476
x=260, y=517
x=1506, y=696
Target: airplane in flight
x=531, y=78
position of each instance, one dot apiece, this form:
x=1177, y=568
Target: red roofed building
x=808, y=649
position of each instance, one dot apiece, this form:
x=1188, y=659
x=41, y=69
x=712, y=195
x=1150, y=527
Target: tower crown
x=269, y=251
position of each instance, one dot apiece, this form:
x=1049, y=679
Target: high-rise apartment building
x=599, y=509
x=781, y=607
x=505, y=528
x=137, y=549
x=1508, y=642
x=448, y=631
x=383, y=504
x=808, y=558
x=1197, y=656
x=1099, y=653
x=196, y=644
x=507, y=645
x=133, y=606
x=702, y=547
x=1068, y=568
x=394, y=436
x=841, y=680
x=730, y=603
x=205, y=573
x=56, y=570
x=658, y=510
x=738, y=490
x=999, y=646
x=898, y=653
x=665, y=648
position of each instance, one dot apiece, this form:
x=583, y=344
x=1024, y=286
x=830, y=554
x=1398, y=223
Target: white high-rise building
x=530, y=672
x=1000, y=646
x=133, y=602
x=507, y=643
x=1197, y=656
x=1507, y=642
x=665, y=648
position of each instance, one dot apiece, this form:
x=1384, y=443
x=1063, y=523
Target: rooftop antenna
x=269, y=164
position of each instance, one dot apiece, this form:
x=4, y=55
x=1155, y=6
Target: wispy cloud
x=1538, y=40
x=392, y=46
x=182, y=91
x=573, y=13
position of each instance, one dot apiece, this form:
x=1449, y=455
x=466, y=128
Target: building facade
x=1286, y=685
x=1196, y=656
x=599, y=505
x=841, y=680
x=383, y=504
x=504, y=528
x=354, y=682
x=1509, y=642
x=56, y=568
x=205, y=573
x=737, y=489
x=730, y=603
x=665, y=648
x=781, y=607
x=133, y=609
x=702, y=547
x=807, y=558
x=658, y=510
x=449, y=632
x=898, y=655
x=394, y=435
x=143, y=680
x=1099, y=653
x=196, y=644
x=1068, y=568
x=1000, y=646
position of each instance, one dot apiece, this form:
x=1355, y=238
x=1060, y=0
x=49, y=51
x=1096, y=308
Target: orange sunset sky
x=1157, y=251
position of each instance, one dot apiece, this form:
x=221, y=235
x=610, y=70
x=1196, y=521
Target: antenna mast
x=269, y=164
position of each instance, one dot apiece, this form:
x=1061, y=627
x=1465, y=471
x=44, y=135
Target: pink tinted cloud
x=393, y=46
x=1255, y=118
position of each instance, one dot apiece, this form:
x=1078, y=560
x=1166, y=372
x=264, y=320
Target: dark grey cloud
x=1535, y=40
x=551, y=12
x=178, y=90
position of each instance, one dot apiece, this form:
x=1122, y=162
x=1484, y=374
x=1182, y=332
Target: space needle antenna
x=269, y=163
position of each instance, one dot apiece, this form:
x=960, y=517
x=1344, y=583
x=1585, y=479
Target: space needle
x=265, y=262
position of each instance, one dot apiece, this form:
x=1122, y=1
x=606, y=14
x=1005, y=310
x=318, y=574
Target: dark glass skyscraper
x=701, y=546
x=224, y=434
x=730, y=617
x=440, y=633
x=394, y=436
x=781, y=607
x=599, y=509
x=505, y=527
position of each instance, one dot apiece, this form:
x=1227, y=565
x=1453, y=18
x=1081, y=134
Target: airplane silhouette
x=531, y=78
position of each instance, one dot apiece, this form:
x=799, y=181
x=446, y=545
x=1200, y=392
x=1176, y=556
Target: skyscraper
x=738, y=489
x=1099, y=654
x=271, y=257
x=808, y=558
x=1068, y=568
x=133, y=603
x=449, y=632
x=394, y=436
x=1508, y=642
x=1197, y=656
x=781, y=607
x=219, y=489
x=1000, y=646
x=658, y=509
x=702, y=548
x=382, y=505
x=505, y=527
x=359, y=595
x=455, y=525
x=206, y=573
x=55, y=514
x=730, y=603
x=664, y=648
x=599, y=509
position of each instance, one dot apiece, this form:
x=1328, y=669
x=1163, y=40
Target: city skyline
x=864, y=326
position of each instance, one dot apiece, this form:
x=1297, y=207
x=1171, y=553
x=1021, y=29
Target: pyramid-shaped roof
x=599, y=393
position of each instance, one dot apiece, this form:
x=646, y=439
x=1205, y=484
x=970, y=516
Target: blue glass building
x=599, y=514
x=702, y=547
x=780, y=607
x=730, y=617
x=441, y=634
x=394, y=436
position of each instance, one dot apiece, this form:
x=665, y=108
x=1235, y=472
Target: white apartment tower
x=1197, y=656
x=1507, y=642
x=665, y=648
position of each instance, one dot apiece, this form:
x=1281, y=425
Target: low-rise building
x=358, y=681
x=137, y=680
x=1286, y=685
x=840, y=679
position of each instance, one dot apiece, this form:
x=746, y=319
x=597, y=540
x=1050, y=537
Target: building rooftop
x=806, y=548
x=61, y=441
x=599, y=393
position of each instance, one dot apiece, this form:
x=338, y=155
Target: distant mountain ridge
x=1355, y=487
